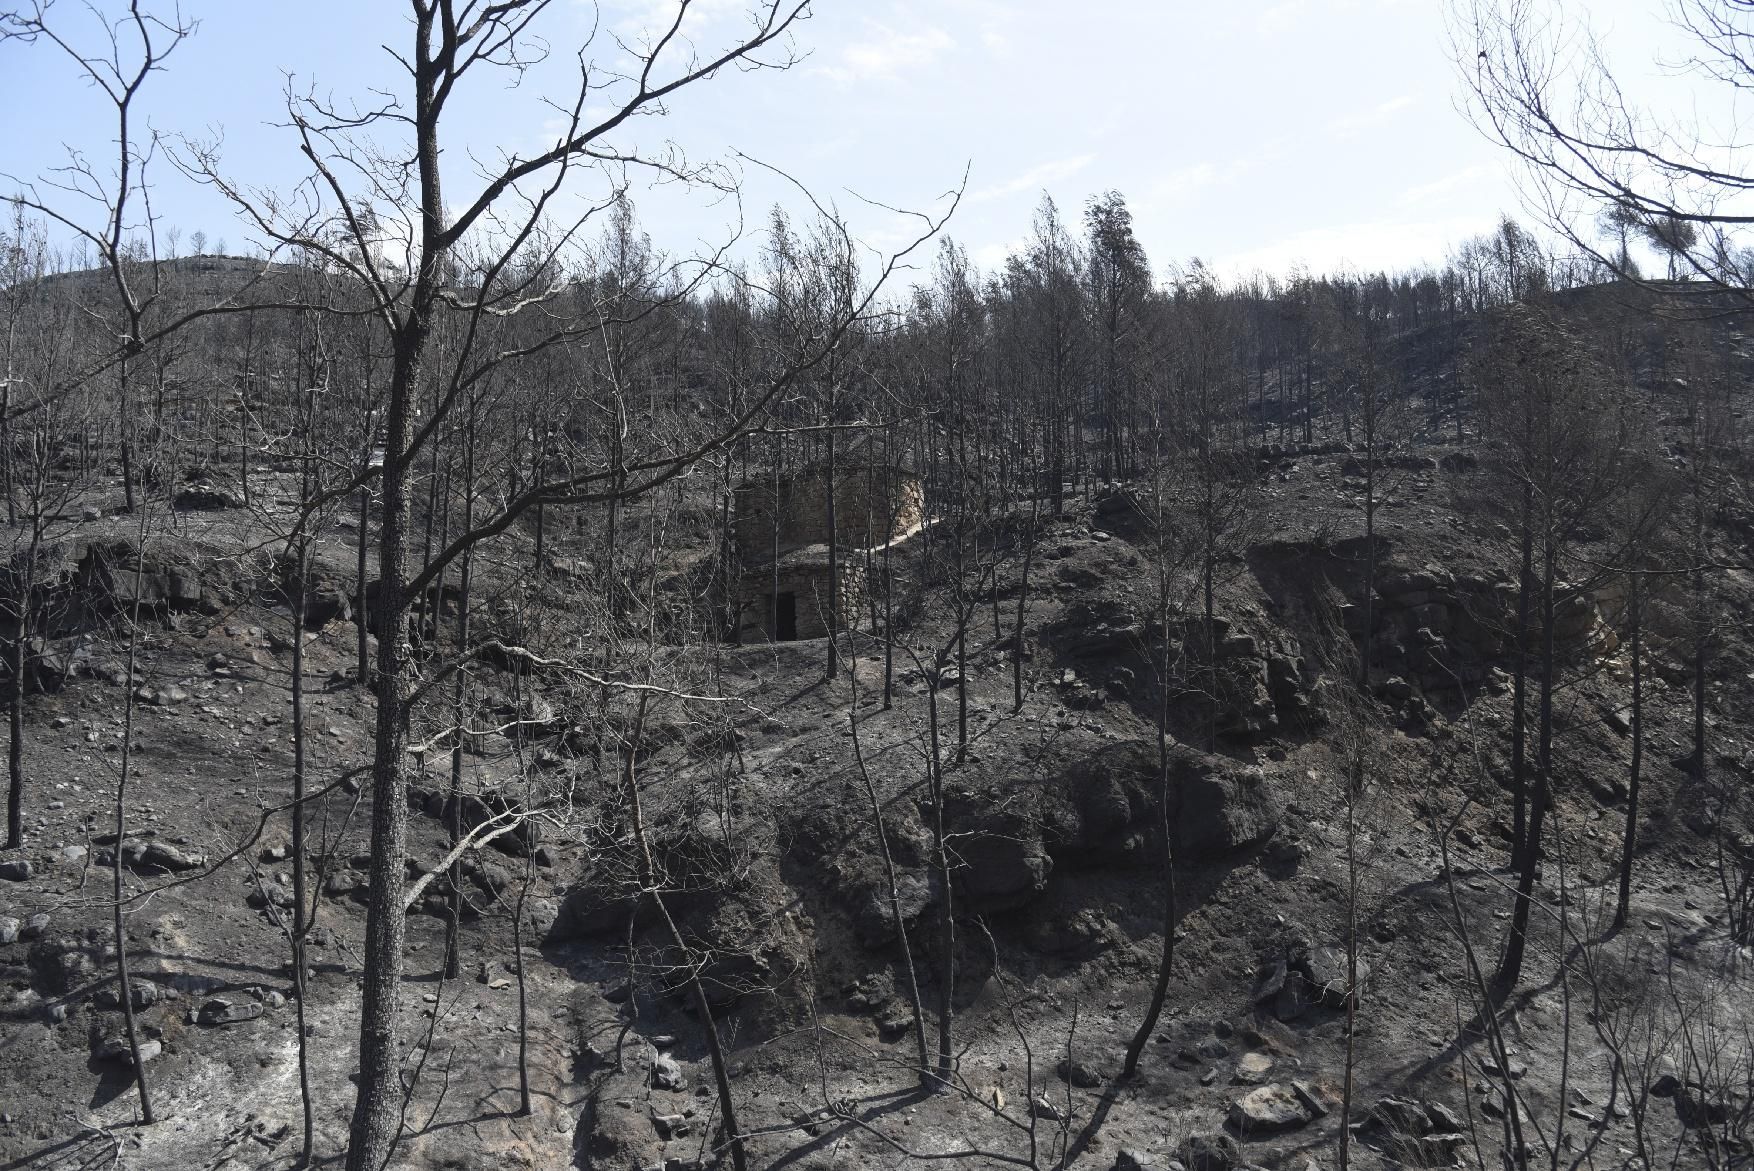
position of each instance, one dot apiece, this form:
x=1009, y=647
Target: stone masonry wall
x=860, y=498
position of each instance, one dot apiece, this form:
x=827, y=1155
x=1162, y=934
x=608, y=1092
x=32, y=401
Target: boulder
x=1221, y=806
x=117, y=1049
x=1004, y=863
x=1415, y=1132
x=1326, y=968
x=144, y=994
x=269, y=894
x=666, y=1074
x=594, y=906
x=152, y=857
x=1252, y=1069
x=204, y=497
x=1078, y=1073
x=15, y=870
x=874, y=920
x=220, y=1011
x=1269, y=1109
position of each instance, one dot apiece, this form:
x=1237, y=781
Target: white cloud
x=1353, y=124
x=646, y=18
x=1280, y=17
x=1438, y=189
x=1182, y=182
x=1036, y=177
x=1360, y=247
x=884, y=53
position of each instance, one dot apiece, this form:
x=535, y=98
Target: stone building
x=783, y=543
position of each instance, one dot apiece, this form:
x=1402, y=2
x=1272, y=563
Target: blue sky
x=1253, y=135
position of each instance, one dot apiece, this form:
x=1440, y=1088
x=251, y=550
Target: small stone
x=35, y=926
x=1042, y=1108
x=15, y=870
x=1129, y=1159
x=9, y=928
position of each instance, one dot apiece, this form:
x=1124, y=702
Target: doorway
x=785, y=617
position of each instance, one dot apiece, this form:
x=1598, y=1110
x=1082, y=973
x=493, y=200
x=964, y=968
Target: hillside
x=767, y=853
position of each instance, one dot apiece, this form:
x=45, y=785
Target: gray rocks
x=116, y=1048
x=666, y=1074
x=1513, y=1068
x=15, y=870
x=875, y=918
x=1417, y=1133
x=1305, y=978
x=144, y=994
x=1004, y=863
x=266, y=894
x=1133, y=1160
x=152, y=857
x=1326, y=970
x=1224, y=807
x=161, y=696
x=204, y=497
x=1268, y=1110
x=1252, y=1069
x=220, y=1011
x=9, y=928
x=35, y=926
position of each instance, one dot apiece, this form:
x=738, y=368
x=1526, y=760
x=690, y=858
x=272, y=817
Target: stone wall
x=872, y=505
x=809, y=584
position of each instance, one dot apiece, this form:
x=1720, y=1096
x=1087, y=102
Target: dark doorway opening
x=785, y=618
